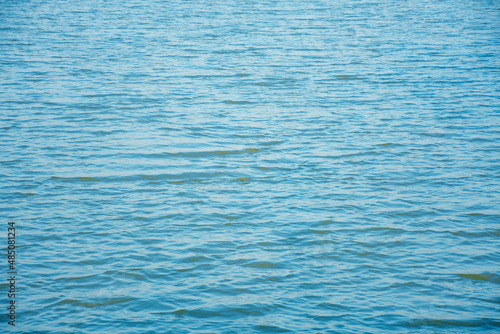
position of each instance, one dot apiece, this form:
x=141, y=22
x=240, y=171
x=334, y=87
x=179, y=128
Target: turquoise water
x=252, y=166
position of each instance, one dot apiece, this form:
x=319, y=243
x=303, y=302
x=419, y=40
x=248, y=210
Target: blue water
x=255, y=166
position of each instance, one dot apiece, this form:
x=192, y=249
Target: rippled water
x=252, y=166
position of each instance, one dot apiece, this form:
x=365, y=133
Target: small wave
x=237, y=102
x=346, y=77
x=487, y=277
x=442, y=323
x=105, y=302
x=272, y=329
x=211, y=153
x=254, y=309
x=172, y=178
x=263, y=265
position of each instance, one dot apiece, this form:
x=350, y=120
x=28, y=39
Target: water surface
x=252, y=166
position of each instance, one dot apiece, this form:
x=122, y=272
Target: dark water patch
x=263, y=265
x=104, y=302
x=172, y=178
x=486, y=277
x=216, y=153
x=271, y=329
x=454, y=324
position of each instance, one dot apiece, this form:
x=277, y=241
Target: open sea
x=248, y=167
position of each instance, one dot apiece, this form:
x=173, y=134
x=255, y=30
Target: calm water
x=252, y=166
